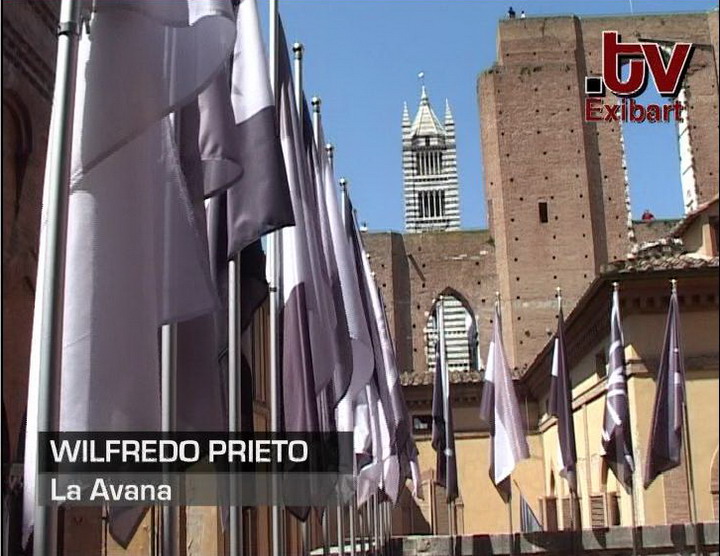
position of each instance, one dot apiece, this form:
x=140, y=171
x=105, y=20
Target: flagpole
x=353, y=510
x=316, y=102
x=508, y=503
x=445, y=379
x=52, y=282
x=573, y=493
x=168, y=397
x=340, y=517
x=274, y=249
x=633, y=508
x=298, y=50
x=689, y=474
x=234, y=396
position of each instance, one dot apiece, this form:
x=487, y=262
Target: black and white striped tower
x=430, y=176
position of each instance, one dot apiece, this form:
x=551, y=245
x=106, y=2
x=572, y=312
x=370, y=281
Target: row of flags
x=500, y=411
x=182, y=162
x=664, y=450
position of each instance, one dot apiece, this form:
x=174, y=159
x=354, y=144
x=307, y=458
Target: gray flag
x=665, y=448
x=445, y=462
x=561, y=407
x=616, y=435
x=499, y=409
x=259, y=202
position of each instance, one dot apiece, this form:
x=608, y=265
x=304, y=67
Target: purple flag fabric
x=299, y=385
x=136, y=256
x=665, y=448
x=560, y=406
x=616, y=435
x=259, y=201
x=499, y=409
x=445, y=462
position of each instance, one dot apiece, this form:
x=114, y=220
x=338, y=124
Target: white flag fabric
x=499, y=409
x=308, y=360
x=259, y=202
x=354, y=345
x=372, y=442
x=136, y=254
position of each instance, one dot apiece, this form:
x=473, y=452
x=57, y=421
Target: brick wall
x=538, y=149
x=413, y=269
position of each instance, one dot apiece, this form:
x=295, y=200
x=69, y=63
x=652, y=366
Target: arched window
x=461, y=338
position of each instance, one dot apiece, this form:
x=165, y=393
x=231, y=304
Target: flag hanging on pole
x=355, y=353
x=560, y=406
x=136, y=256
x=339, y=341
x=299, y=384
x=665, y=448
x=616, y=435
x=499, y=409
x=259, y=202
x=445, y=461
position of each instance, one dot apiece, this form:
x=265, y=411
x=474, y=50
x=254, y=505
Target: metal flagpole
x=510, y=517
x=364, y=533
x=690, y=476
x=305, y=535
x=274, y=249
x=298, y=83
x=353, y=510
x=298, y=50
x=55, y=202
x=168, y=396
x=234, y=396
x=375, y=522
x=445, y=380
x=352, y=523
x=573, y=492
x=633, y=508
x=316, y=102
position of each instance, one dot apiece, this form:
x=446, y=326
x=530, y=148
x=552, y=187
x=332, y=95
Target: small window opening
x=543, y=212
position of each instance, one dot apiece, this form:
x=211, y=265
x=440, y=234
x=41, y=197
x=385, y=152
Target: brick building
x=556, y=187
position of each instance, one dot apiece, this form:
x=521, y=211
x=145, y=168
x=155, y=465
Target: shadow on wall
x=409, y=518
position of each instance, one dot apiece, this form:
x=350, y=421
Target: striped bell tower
x=430, y=175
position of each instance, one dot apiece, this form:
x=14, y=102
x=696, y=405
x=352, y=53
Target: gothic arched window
x=461, y=338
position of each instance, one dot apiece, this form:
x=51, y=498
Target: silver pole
x=55, y=201
x=340, y=529
x=316, y=102
x=689, y=474
x=274, y=249
x=298, y=50
x=352, y=522
x=445, y=380
x=365, y=542
x=168, y=396
x=372, y=523
x=316, y=132
x=379, y=529
x=341, y=508
x=326, y=531
x=234, y=396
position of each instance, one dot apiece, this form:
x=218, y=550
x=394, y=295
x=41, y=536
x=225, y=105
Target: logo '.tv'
x=641, y=57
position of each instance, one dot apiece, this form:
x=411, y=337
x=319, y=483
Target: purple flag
x=665, y=449
x=561, y=407
x=616, y=435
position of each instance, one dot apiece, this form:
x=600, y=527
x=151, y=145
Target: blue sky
x=362, y=58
